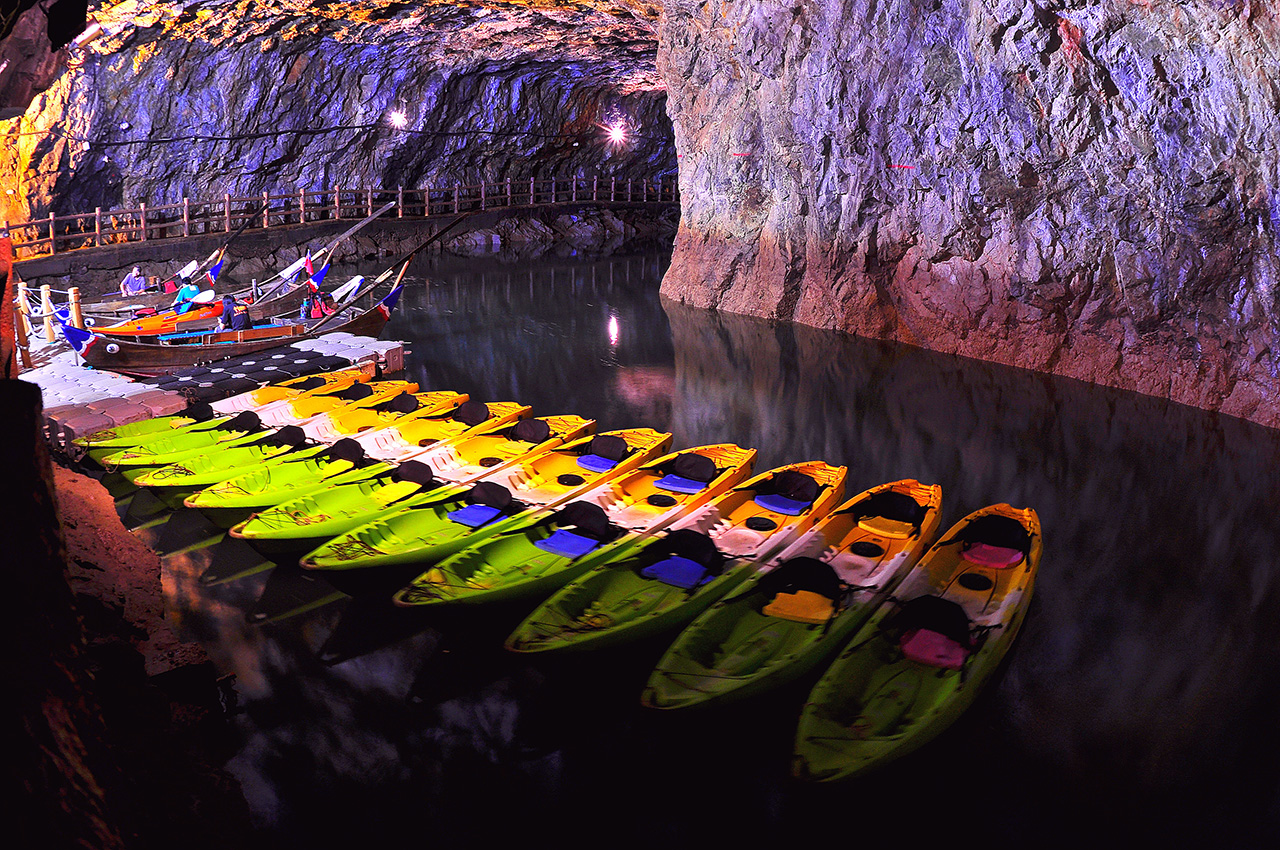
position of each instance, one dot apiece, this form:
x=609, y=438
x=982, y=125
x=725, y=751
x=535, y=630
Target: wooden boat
x=182, y=351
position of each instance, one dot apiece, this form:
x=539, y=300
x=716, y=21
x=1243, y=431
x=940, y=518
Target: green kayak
x=925, y=654
x=797, y=613
x=174, y=482
x=306, y=522
x=525, y=563
x=653, y=584
x=234, y=499
x=110, y=440
x=422, y=533
x=132, y=462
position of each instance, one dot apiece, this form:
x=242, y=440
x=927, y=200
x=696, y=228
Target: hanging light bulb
x=398, y=119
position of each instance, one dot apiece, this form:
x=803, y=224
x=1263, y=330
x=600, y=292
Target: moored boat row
x=756, y=580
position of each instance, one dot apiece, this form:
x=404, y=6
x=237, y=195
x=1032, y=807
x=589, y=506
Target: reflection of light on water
x=613, y=330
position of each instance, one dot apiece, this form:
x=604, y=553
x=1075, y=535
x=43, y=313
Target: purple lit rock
x=1086, y=188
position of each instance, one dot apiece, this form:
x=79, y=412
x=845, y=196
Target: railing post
x=482, y=193
x=46, y=307
x=595, y=189
x=266, y=209
x=455, y=198
x=24, y=310
x=631, y=189
x=226, y=211
x=302, y=206
x=186, y=217
x=508, y=191
x=368, y=201
x=97, y=227
x=644, y=191
x=400, y=202
x=573, y=189
x=77, y=317
x=337, y=202
x=613, y=189
x=53, y=237
x=142, y=209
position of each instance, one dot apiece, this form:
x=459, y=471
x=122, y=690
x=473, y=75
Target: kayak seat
x=474, y=516
x=803, y=606
x=997, y=557
x=677, y=484
x=567, y=544
x=596, y=463
x=781, y=504
x=926, y=646
x=678, y=572
x=886, y=527
x=603, y=453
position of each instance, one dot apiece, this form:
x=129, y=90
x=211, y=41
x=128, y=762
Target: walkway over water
x=101, y=228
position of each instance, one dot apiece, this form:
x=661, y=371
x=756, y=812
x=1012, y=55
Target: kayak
x=168, y=321
x=120, y=437
x=800, y=609
x=472, y=456
x=181, y=444
x=307, y=521
x=293, y=388
x=663, y=581
x=296, y=411
x=433, y=529
x=925, y=654
x=526, y=563
x=234, y=499
x=554, y=477
x=653, y=496
x=410, y=435
x=174, y=482
x=350, y=421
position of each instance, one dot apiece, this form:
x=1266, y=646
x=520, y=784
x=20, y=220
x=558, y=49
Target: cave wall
x=199, y=98
x=1081, y=187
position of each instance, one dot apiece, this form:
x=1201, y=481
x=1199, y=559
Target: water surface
x=1140, y=701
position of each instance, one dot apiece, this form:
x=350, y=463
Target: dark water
x=1140, y=703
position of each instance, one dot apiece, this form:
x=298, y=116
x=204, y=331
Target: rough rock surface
x=199, y=98
x=28, y=61
x=1087, y=187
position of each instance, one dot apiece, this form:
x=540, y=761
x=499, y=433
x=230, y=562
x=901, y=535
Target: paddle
x=287, y=274
x=217, y=255
x=402, y=261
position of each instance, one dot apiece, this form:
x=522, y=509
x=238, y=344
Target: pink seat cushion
x=991, y=556
x=934, y=649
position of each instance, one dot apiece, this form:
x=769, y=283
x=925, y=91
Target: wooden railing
x=59, y=233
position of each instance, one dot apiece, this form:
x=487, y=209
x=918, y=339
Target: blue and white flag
x=78, y=338
x=316, y=277
x=212, y=274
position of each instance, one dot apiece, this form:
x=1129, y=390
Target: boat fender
x=112, y=348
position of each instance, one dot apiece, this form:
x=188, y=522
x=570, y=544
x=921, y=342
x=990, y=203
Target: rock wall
x=1081, y=187
x=200, y=98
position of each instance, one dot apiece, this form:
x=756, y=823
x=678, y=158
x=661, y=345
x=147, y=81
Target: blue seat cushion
x=782, y=505
x=567, y=543
x=676, y=484
x=475, y=516
x=677, y=571
x=595, y=463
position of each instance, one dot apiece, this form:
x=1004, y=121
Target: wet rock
x=1087, y=188
x=201, y=98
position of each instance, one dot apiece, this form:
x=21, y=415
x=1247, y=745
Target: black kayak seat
x=471, y=413
x=934, y=632
x=689, y=472
x=683, y=558
x=603, y=453
x=349, y=450
x=997, y=531
x=355, y=392
x=414, y=471
x=530, y=431
x=309, y=384
x=200, y=411
x=796, y=574
x=581, y=527
x=289, y=435
x=790, y=492
x=245, y=420
x=889, y=504
x=401, y=403
x=485, y=503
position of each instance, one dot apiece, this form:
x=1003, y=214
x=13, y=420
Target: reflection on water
x=1141, y=696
